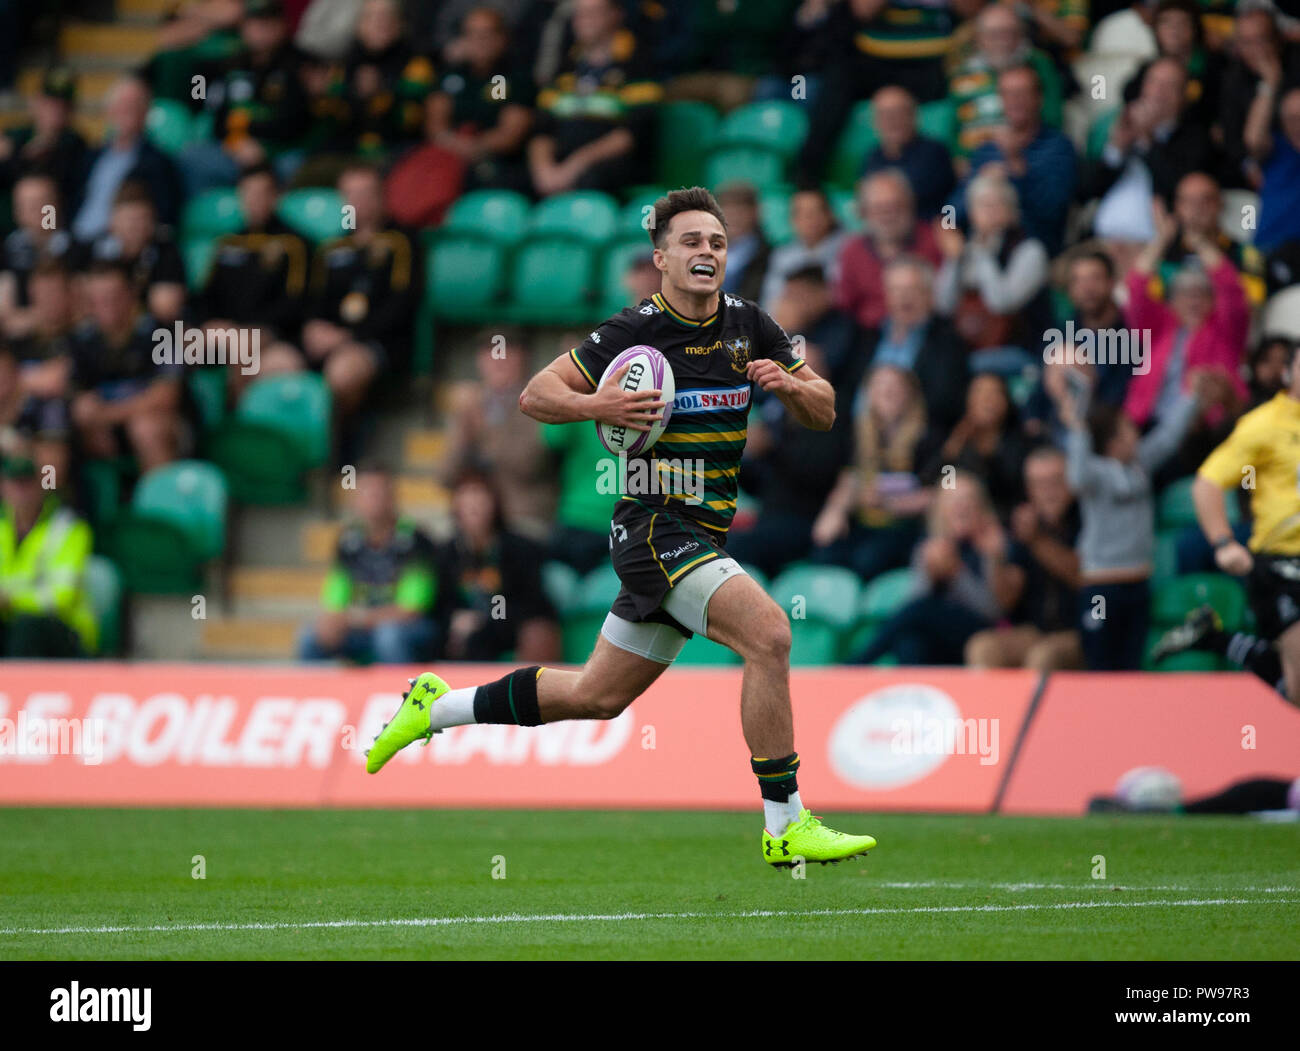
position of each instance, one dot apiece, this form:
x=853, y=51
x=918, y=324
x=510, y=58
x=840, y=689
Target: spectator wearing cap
x=381, y=596
x=36, y=199
x=1039, y=160
x=483, y=121
x=596, y=117
x=925, y=161
x=748, y=250
x=257, y=101
x=49, y=143
x=45, y=609
x=887, y=207
x=127, y=155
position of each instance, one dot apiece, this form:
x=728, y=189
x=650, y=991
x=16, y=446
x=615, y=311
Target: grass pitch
x=419, y=884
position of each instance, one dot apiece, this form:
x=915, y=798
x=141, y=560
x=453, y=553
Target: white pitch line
x=1106, y=885
x=622, y=917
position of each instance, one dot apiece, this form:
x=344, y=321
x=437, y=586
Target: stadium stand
x=256, y=491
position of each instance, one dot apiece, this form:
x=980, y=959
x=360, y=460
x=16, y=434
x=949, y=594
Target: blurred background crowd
x=414, y=205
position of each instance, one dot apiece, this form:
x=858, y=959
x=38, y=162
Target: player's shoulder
x=1267, y=415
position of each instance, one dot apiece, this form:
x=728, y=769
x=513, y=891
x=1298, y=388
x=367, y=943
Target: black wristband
x=1229, y=539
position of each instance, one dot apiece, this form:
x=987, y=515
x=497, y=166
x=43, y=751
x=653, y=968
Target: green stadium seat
x=104, y=584
x=587, y=215
x=827, y=597
x=465, y=277
x=498, y=214
x=176, y=524
x=594, y=596
x=1175, y=598
x=1175, y=509
x=551, y=282
x=700, y=650
x=685, y=129
x=101, y=488
x=170, y=125
x=1166, y=557
x=844, y=204
x=938, y=120
x=618, y=257
x=208, y=391
x=635, y=217
x=315, y=213
x=887, y=594
x=561, y=585
x=774, y=216
x=777, y=125
x=280, y=430
x=298, y=403
x=760, y=166
x=197, y=253
x=212, y=213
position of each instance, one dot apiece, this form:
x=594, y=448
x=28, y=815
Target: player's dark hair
x=134, y=191
x=475, y=476
x=1024, y=67
x=1188, y=7
x=812, y=273
x=110, y=268
x=49, y=266
x=694, y=199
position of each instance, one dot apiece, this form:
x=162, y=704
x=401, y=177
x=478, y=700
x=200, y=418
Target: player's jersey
x=1264, y=448
x=695, y=465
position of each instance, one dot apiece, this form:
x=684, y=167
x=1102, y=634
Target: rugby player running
x=667, y=547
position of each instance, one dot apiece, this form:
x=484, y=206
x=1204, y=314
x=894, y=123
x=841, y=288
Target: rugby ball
x=1149, y=788
x=649, y=370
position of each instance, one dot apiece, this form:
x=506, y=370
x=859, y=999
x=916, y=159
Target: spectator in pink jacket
x=887, y=207
x=1202, y=327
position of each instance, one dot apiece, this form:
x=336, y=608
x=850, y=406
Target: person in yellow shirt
x=1262, y=455
x=45, y=609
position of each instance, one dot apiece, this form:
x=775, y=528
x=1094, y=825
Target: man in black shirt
x=49, y=144
x=362, y=295
x=39, y=235
x=123, y=400
x=667, y=538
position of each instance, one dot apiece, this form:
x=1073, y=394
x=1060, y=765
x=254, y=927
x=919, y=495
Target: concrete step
x=269, y=536
x=419, y=496
x=296, y=584
x=318, y=540
x=163, y=627
x=249, y=638
x=424, y=449
x=119, y=45
x=92, y=85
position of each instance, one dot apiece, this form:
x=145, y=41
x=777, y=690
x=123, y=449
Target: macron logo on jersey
x=711, y=400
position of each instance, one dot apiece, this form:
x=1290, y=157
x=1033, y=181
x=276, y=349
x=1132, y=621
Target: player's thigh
x=611, y=679
x=746, y=619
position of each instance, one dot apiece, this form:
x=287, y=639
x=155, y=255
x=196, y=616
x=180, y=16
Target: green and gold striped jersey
x=694, y=468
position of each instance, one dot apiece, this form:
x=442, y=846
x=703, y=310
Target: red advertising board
x=1209, y=729
x=214, y=735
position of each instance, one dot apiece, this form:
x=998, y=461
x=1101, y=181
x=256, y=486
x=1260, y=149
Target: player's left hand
x=770, y=376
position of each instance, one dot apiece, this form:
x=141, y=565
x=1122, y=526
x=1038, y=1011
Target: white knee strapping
x=657, y=642
x=688, y=601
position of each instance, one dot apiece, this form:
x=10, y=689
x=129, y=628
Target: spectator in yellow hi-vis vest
x=45, y=609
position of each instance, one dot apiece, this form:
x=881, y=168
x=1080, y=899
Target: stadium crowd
x=1013, y=485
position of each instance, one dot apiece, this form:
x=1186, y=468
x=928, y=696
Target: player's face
x=693, y=259
x=1046, y=487
x=257, y=199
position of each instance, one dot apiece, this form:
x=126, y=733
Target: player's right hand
x=637, y=410
x=1234, y=558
